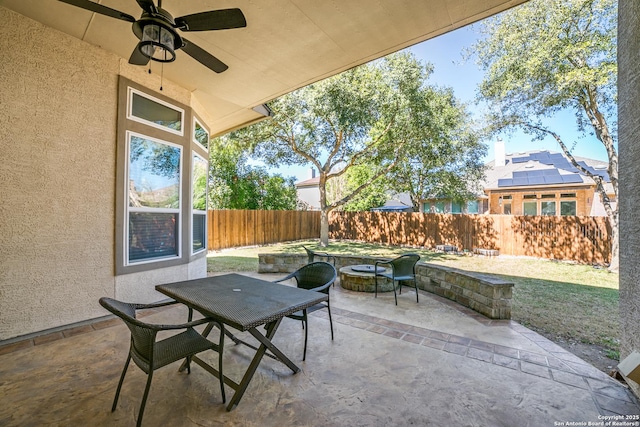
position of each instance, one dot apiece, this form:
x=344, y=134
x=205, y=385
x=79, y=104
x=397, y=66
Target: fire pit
x=361, y=278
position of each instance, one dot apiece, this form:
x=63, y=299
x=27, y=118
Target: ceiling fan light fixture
x=158, y=42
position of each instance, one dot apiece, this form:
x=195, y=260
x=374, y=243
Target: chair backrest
x=316, y=275
x=310, y=254
x=143, y=335
x=405, y=265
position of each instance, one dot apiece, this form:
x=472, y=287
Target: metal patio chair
x=403, y=268
x=149, y=354
x=316, y=276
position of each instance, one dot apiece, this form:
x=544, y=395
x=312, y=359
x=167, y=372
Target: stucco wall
x=629, y=136
x=58, y=102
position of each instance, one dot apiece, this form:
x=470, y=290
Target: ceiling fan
x=156, y=30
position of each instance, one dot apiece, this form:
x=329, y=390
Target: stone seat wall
x=484, y=293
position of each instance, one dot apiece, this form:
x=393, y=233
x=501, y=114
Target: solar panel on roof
x=550, y=172
x=571, y=178
x=535, y=173
x=536, y=180
x=505, y=182
x=520, y=174
x=520, y=181
x=553, y=179
x=520, y=159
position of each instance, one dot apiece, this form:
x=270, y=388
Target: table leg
x=265, y=343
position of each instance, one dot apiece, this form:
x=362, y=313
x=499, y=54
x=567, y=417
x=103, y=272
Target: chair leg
x=220, y=351
x=306, y=333
x=393, y=282
x=144, y=397
x=415, y=282
x=376, y=280
x=330, y=321
x=124, y=372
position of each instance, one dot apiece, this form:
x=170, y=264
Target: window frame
x=198, y=122
x=194, y=211
x=128, y=209
x=183, y=230
x=130, y=116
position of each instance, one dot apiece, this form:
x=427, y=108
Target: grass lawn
x=562, y=301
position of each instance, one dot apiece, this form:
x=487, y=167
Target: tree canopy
x=237, y=185
x=357, y=127
x=548, y=55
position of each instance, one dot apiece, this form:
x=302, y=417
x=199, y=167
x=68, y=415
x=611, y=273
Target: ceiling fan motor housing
x=158, y=39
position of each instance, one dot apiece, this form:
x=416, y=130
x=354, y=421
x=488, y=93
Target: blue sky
x=445, y=52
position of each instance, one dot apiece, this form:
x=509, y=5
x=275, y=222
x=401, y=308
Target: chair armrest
x=289, y=276
x=154, y=305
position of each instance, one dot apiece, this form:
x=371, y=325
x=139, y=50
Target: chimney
x=312, y=172
x=499, y=153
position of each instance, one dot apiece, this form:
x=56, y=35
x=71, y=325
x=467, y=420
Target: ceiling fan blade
x=147, y=6
x=203, y=57
x=98, y=8
x=222, y=19
x=137, y=58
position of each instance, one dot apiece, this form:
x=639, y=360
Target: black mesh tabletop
x=239, y=301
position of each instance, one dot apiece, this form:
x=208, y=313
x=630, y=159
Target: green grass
x=561, y=301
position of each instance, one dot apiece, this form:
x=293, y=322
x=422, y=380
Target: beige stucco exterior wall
x=629, y=137
x=58, y=101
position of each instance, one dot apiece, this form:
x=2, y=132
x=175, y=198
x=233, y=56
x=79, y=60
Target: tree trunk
x=324, y=228
x=614, y=265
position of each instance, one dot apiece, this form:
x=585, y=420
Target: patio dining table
x=243, y=303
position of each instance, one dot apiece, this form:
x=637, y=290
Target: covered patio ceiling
x=287, y=44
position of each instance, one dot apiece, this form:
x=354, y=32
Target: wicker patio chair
x=403, y=268
x=313, y=254
x=317, y=276
x=149, y=354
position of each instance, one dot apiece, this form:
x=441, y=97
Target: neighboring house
x=533, y=183
x=309, y=193
x=309, y=197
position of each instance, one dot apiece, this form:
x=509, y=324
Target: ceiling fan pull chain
x=161, y=72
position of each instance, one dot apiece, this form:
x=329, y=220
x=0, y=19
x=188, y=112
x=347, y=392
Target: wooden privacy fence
x=581, y=239
x=233, y=228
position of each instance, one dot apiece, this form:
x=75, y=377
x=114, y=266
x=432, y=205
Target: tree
x=548, y=55
x=236, y=185
x=444, y=159
x=375, y=194
x=364, y=116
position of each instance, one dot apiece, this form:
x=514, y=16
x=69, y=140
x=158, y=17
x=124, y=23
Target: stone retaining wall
x=484, y=293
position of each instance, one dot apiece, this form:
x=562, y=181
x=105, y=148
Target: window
x=154, y=112
x=473, y=207
x=530, y=208
x=548, y=196
x=439, y=207
x=506, y=208
x=153, y=194
x=530, y=196
x=548, y=208
x=567, y=195
x=199, y=204
x=567, y=208
x=161, y=191
x=456, y=207
x=200, y=134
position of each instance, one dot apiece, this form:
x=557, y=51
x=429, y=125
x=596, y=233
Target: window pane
x=199, y=230
x=530, y=208
x=199, y=183
x=456, y=207
x=548, y=208
x=154, y=112
x=472, y=207
x=568, y=208
x=439, y=207
x=507, y=208
x=154, y=174
x=152, y=235
x=201, y=136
